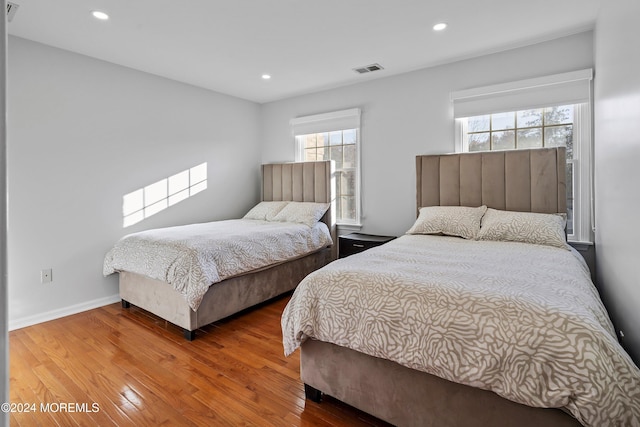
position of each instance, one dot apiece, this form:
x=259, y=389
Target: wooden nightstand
x=353, y=243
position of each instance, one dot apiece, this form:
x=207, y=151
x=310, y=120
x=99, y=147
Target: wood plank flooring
x=125, y=367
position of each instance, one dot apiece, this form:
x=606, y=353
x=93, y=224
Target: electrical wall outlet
x=46, y=275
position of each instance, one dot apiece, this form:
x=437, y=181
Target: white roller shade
x=559, y=89
x=337, y=120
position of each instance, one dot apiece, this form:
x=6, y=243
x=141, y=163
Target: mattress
x=521, y=320
x=193, y=257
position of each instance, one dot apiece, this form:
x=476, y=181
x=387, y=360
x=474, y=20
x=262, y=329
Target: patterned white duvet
x=192, y=257
x=522, y=320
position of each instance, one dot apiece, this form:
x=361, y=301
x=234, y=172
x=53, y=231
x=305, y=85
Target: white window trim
x=583, y=147
x=573, y=87
x=327, y=122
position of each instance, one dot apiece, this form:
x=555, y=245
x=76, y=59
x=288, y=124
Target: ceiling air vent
x=12, y=8
x=368, y=68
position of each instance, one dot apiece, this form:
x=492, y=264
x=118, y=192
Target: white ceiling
x=305, y=45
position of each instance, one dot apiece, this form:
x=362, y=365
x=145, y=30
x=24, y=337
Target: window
x=534, y=126
x=334, y=136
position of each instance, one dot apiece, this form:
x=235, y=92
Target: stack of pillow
x=308, y=213
x=484, y=223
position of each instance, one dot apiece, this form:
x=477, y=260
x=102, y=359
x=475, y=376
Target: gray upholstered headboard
x=299, y=182
x=302, y=182
x=516, y=180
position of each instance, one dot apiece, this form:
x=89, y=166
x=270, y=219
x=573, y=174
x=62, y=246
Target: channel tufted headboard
x=302, y=182
x=532, y=180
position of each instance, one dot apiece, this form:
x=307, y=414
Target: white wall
x=617, y=155
x=82, y=133
x=411, y=114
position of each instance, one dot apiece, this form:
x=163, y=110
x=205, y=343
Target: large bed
x=468, y=329
x=190, y=290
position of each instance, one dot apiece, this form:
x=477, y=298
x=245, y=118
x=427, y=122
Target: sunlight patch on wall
x=150, y=200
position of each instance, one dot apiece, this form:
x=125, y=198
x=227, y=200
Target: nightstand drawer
x=353, y=243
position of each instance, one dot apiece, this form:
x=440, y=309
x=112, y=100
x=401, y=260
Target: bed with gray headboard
x=451, y=330
x=296, y=182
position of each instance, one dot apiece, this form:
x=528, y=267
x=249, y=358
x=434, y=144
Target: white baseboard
x=62, y=312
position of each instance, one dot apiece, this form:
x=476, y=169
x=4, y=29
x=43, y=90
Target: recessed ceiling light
x=440, y=26
x=266, y=76
x=100, y=15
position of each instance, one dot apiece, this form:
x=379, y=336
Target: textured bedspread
x=522, y=320
x=192, y=257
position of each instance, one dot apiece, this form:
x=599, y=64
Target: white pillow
x=462, y=221
x=524, y=227
x=265, y=210
x=308, y=213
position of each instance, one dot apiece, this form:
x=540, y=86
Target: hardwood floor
x=113, y=366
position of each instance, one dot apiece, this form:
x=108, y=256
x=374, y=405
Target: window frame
x=581, y=163
x=327, y=123
x=573, y=87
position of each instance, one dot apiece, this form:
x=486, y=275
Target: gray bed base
x=406, y=397
x=222, y=299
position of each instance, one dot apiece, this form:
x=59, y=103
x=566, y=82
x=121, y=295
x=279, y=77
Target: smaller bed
x=197, y=274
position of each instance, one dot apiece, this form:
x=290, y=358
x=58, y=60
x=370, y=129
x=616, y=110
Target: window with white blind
x=334, y=136
x=552, y=111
